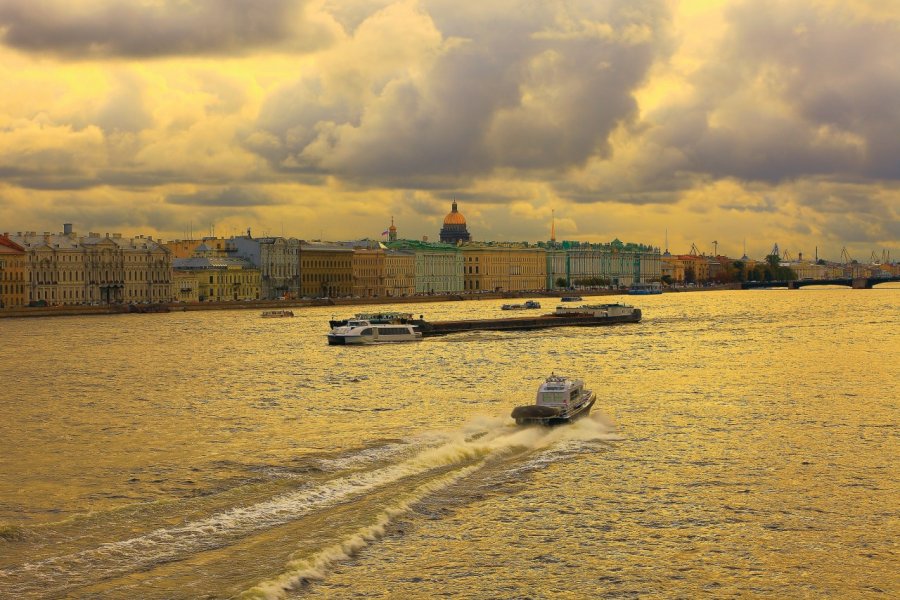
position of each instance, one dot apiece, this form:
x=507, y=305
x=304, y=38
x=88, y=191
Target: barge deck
x=429, y=329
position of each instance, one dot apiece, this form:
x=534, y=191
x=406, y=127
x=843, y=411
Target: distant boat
x=559, y=400
x=645, y=289
x=571, y=298
x=274, y=314
x=530, y=304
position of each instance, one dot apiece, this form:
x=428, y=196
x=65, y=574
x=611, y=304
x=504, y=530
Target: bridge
x=857, y=283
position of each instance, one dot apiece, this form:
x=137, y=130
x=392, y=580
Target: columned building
x=67, y=268
x=454, y=230
x=618, y=263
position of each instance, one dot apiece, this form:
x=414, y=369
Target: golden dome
x=454, y=217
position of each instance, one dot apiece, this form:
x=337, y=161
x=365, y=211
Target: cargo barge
x=581, y=316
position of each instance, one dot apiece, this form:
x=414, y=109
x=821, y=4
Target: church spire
x=553, y=226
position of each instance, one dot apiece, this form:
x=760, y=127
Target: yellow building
x=503, y=268
x=207, y=278
x=399, y=273
x=186, y=285
x=686, y=268
x=326, y=270
x=368, y=272
x=13, y=274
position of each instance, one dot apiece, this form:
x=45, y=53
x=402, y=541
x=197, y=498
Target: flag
x=385, y=232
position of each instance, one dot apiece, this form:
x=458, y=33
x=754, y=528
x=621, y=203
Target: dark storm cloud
x=541, y=92
x=111, y=28
x=230, y=196
x=797, y=90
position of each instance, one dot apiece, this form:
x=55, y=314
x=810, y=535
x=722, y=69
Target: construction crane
x=775, y=251
x=786, y=256
x=694, y=250
x=845, y=256
x=715, y=248
x=874, y=258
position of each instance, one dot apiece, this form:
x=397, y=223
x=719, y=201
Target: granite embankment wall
x=64, y=311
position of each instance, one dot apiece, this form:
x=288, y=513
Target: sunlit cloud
x=731, y=120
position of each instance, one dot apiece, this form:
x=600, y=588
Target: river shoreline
x=118, y=309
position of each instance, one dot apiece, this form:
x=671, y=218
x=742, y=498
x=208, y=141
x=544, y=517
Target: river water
x=743, y=444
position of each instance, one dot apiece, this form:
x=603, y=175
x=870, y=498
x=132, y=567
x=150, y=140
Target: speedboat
x=361, y=331
x=275, y=314
x=559, y=400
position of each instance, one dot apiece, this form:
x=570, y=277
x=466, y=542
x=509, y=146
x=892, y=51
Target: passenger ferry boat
x=559, y=400
x=361, y=331
x=381, y=318
x=275, y=314
x=571, y=299
x=530, y=304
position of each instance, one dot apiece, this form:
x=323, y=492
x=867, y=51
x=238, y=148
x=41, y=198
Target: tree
x=689, y=275
x=561, y=282
x=666, y=279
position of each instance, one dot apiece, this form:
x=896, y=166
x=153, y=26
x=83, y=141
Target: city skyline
x=768, y=122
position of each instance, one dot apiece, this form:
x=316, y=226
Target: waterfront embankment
x=115, y=309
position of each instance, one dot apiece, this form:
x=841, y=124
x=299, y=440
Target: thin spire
x=552, y=225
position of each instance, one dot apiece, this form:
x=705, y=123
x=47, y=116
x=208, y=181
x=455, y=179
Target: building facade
x=67, y=268
x=687, y=268
x=368, y=271
x=617, y=263
x=399, y=273
x=278, y=261
x=500, y=268
x=438, y=267
x=326, y=270
x=13, y=274
x=209, y=278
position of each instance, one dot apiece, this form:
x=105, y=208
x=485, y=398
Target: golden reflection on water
x=743, y=443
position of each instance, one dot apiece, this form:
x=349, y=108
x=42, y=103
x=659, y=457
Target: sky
x=722, y=124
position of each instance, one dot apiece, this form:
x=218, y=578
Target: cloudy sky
x=760, y=121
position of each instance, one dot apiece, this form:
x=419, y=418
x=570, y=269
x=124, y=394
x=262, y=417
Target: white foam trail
x=317, y=567
x=487, y=436
x=482, y=438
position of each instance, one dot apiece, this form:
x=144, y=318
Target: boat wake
x=436, y=462
x=483, y=438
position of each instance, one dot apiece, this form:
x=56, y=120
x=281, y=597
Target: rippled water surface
x=743, y=443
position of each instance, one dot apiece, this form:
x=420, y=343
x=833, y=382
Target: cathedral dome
x=454, y=217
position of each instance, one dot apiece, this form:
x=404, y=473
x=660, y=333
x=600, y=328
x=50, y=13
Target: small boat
x=275, y=314
x=529, y=304
x=571, y=298
x=360, y=331
x=559, y=400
